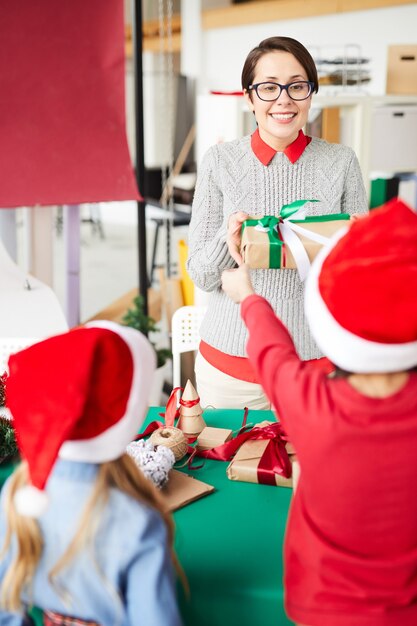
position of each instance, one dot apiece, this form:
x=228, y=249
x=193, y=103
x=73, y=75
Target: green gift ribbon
x=289, y=209
x=275, y=244
x=335, y=217
x=270, y=222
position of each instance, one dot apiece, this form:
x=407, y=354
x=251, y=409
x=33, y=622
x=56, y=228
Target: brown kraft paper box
x=183, y=489
x=255, y=245
x=244, y=466
x=212, y=437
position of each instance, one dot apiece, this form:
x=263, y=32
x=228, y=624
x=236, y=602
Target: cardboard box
x=212, y=437
x=260, y=251
x=244, y=466
x=402, y=70
x=289, y=448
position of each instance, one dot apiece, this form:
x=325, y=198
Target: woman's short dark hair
x=286, y=44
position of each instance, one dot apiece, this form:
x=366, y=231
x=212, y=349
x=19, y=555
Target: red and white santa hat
x=361, y=293
x=82, y=396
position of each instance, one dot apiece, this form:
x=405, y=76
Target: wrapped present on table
x=212, y=437
x=290, y=448
x=290, y=241
x=263, y=458
x=257, y=455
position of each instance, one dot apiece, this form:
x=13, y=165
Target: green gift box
x=288, y=241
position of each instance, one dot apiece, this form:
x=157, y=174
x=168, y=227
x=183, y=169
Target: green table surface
x=230, y=543
x=5, y=470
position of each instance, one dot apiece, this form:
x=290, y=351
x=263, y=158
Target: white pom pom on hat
x=82, y=396
x=360, y=298
x=31, y=501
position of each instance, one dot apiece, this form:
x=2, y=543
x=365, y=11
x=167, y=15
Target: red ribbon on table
x=172, y=410
x=189, y=403
x=171, y=414
x=149, y=429
x=274, y=460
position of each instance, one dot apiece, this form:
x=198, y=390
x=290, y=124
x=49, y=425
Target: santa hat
x=81, y=396
x=361, y=293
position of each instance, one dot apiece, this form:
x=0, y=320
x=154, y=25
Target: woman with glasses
x=257, y=175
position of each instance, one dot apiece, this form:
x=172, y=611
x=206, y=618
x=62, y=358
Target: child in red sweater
x=351, y=544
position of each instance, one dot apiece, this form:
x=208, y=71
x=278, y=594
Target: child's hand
x=233, y=237
x=237, y=283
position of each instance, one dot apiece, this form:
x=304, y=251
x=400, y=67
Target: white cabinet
x=394, y=138
x=381, y=129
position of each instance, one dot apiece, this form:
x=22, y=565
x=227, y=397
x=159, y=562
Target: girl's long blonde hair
x=122, y=474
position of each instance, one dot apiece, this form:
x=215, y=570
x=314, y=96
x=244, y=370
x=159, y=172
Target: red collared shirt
x=265, y=153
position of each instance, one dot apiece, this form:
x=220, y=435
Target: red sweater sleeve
x=296, y=390
x=269, y=342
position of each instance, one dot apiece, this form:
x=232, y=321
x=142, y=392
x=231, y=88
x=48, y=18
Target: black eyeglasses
x=268, y=92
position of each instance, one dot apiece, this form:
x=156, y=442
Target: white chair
x=10, y=345
x=185, y=330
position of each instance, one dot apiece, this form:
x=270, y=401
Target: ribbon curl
x=170, y=415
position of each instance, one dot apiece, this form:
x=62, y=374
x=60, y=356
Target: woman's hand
x=233, y=238
x=237, y=283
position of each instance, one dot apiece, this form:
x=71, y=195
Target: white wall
x=225, y=49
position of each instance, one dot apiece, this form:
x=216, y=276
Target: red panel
x=62, y=109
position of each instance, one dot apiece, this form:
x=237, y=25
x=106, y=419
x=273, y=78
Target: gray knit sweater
x=231, y=179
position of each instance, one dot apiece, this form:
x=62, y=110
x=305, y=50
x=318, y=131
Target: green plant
x=8, y=445
x=135, y=317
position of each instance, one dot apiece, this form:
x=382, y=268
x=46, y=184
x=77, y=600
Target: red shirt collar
x=265, y=153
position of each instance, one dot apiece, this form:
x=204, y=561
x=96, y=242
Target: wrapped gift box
x=290, y=448
x=263, y=249
x=245, y=464
x=211, y=437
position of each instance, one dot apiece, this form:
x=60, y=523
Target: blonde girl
x=84, y=534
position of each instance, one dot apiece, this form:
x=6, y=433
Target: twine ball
x=172, y=438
